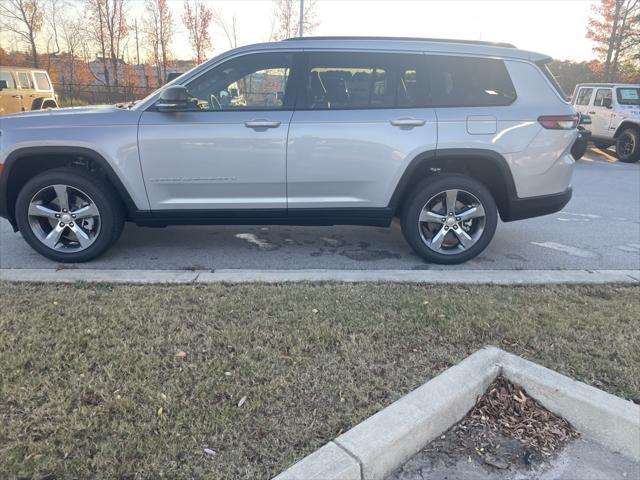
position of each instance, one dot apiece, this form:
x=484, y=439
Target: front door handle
x=408, y=122
x=17, y=96
x=592, y=112
x=261, y=123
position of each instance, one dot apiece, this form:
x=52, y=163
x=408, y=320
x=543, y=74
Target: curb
x=374, y=448
x=497, y=277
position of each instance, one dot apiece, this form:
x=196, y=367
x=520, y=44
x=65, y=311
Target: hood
x=71, y=116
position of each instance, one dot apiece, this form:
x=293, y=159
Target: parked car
x=584, y=136
x=25, y=89
x=445, y=134
x=615, y=115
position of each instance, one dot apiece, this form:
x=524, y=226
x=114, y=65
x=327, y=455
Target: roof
x=21, y=69
x=608, y=85
x=413, y=39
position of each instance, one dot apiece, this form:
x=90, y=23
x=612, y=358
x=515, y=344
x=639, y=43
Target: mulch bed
x=505, y=427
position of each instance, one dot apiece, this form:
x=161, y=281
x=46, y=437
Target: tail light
x=559, y=122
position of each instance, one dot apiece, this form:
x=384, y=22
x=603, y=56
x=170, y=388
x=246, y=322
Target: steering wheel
x=215, y=103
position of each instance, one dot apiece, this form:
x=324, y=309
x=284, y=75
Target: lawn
x=91, y=387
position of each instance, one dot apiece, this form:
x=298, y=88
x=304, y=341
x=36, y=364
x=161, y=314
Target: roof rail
x=410, y=39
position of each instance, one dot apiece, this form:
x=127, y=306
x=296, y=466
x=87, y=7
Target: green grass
x=91, y=388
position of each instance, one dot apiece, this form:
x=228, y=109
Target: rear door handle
x=592, y=112
x=261, y=123
x=408, y=122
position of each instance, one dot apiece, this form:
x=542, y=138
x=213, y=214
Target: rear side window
x=469, y=82
x=628, y=96
x=7, y=77
x=584, y=95
x=601, y=95
x=344, y=80
x=24, y=81
x=42, y=81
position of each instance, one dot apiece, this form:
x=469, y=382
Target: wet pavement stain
x=369, y=255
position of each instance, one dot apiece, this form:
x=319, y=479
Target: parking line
x=609, y=158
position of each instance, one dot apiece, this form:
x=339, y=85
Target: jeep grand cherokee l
x=445, y=134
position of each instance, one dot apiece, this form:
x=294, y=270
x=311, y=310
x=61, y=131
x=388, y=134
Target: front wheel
x=69, y=215
x=628, y=146
x=449, y=219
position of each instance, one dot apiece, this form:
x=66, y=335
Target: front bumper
x=521, y=208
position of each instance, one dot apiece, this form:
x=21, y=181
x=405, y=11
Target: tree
x=108, y=29
x=24, y=18
x=615, y=29
x=197, y=19
x=159, y=30
x=228, y=28
x=286, y=19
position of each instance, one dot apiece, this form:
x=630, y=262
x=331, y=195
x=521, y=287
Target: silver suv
x=615, y=116
x=447, y=135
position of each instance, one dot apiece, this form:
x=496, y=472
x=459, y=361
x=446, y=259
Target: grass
x=91, y=387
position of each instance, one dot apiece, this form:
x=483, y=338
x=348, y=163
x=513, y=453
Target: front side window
x=23, y=79
x=601, y=95
x=628, y=96
x=469, y=82
x=250, y=82
x=584, y=95
x=42, y=81
x=7, y=77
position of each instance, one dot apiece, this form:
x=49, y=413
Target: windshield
x=629, y=96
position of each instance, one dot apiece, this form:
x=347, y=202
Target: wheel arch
x=487, y=166
x=22, y=164
x=624, y=125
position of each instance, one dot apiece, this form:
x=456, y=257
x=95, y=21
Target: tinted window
x=469, y=82
x=601, y=94
x=7, y=77
x=628, y=96
x=249, y=82
x=23, y=79
x=42, y=81
x=584, y=95
x=342, y=80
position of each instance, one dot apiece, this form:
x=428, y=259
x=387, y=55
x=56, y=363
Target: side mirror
x=174, y=99
x=606, y=102
x=3, y=85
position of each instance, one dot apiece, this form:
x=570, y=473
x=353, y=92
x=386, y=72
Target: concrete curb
x=376, y=447
x=499, y=277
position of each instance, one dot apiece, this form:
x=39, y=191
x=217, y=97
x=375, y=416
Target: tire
x=98, y=215
x=431, y=195
x=37, y=104
x=49, y=104
x=628, y=145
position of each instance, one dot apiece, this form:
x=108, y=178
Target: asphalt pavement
x=598, y=229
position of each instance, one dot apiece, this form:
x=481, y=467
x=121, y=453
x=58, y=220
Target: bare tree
x=615, y=29
x=52, y=20
x=108, y=29
x=197, y=18
x=159, y=29
x=24, y=18
x=286, y=18
x=229, y=28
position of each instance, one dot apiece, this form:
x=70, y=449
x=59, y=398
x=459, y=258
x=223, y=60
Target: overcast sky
x=554, y=27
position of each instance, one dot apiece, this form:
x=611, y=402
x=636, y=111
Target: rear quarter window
x=42, y=81
x=7, y=77
x=469, y=82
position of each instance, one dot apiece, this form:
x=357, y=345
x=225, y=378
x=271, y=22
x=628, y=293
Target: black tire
x=628, y=145
x=49, y=104
x=101, y=192
x=37, y=104
x=428, y=189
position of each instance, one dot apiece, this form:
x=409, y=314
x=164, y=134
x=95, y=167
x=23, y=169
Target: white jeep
x=615, y=116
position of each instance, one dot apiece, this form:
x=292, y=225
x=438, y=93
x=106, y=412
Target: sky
x=553, y=27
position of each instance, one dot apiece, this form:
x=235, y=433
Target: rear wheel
x=628, y=146
x=449, y=219
x=69, y=215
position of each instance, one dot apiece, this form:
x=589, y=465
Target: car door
x=583, y=99
x=26, y=90
x=360, y=119
x=10, y=98
x=601, y=113
x=229, y=152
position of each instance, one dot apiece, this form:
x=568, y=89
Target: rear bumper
x=521, y=208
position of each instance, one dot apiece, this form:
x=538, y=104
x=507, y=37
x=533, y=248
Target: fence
x=75, y=94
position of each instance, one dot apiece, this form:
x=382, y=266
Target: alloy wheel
x=64, y=218
x=452, y=222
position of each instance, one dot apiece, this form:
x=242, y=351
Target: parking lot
x=598, y=229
